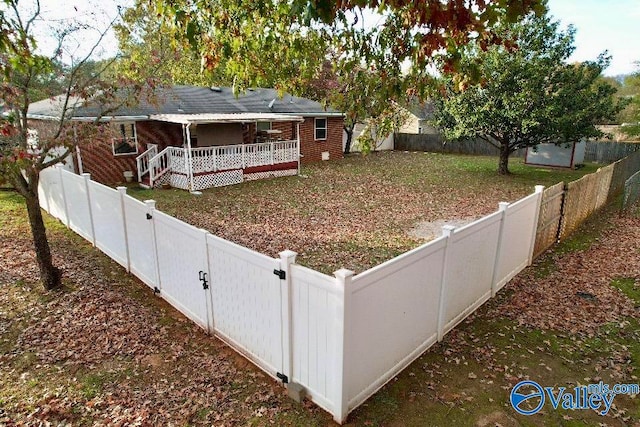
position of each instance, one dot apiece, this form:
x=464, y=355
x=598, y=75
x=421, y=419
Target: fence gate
x=182, y=266
x=248, y=298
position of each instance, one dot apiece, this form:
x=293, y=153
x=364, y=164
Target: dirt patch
x=429, y=230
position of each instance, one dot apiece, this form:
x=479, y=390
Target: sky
x=612, y=25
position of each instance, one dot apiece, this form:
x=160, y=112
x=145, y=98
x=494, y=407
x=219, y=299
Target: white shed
x=558, y=156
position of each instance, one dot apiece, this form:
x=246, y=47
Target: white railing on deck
x=225, y=157
x=142, y=161
x=217, y=158
x=159, y=165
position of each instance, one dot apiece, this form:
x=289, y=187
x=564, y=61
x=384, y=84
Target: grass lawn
x=105, y=351
x=357, y=212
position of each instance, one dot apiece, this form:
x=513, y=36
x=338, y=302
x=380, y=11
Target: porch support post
x=189, y=159
x=298, y=145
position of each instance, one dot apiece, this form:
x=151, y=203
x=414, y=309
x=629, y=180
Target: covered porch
x=197, y=168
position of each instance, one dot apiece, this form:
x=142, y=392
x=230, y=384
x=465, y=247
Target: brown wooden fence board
x=549, y=218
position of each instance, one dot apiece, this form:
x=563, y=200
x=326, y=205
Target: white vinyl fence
x=340, y=338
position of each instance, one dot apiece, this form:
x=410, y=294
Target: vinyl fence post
x=123, y=193
x=287, y=258
x=502, y=207
x=447, y=231
x=151, y=207
x=534, y=231
x=343, y=279
x=87, y=179
x=64, y=195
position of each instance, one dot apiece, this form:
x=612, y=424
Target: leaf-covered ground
x=357, y=212
x=105, y=351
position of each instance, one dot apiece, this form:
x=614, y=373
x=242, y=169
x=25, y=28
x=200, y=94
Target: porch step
x=145, y=183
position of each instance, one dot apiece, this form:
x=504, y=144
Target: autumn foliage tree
x=64, y=77
x=525, y=92
x=285, y=44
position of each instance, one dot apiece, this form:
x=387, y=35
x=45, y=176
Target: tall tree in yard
x=523, y=92
x=25, y=72
x=285, y=43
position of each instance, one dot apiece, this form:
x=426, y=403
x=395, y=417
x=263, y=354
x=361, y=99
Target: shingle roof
x=422, y=110
x=197, y=100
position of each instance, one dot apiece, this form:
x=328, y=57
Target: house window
x=262, y=126
x=126, y=140
x=320, y=129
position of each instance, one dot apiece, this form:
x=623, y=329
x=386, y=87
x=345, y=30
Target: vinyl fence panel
x=108, y=221
x=518, y=231
x=469, y=269
x=76, y=191
x=140, y=238
x=182, y=260
x=317, y=302
x=247, y=302
x=393, y=317
x=53, y=194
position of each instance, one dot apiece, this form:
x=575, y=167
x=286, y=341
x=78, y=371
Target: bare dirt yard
x=105, y=351
x=360, y=211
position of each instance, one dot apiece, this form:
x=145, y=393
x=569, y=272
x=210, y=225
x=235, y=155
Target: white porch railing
x=159, y=165
x=219, y=158
x=142, y=161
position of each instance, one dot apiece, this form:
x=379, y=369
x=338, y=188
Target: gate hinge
x=156, y=290
x=149, y=216
x=280, y=273
x=283, y=377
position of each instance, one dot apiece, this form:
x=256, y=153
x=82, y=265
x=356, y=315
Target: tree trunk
x=49, y=274
x=347, y=145
x=503, y=165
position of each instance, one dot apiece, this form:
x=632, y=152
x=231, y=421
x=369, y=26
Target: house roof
x=422, y=110
x=224, y=118
x=188, y=100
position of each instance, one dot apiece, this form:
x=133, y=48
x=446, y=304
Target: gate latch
x=203, y=278
x=280, y=273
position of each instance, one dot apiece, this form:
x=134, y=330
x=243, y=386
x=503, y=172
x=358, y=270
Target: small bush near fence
x=340, y=338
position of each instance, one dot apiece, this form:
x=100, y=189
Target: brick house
x=197, y=137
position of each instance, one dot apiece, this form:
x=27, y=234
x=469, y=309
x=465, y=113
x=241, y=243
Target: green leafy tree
x=527, y=93
x=27, y=73
x=149, y=46
x=285, y=42
x=361, y=94
x=630, y=116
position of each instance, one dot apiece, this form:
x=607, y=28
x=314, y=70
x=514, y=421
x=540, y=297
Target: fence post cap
x=121, y=189
x=86, y=175
x=539, y=188
x=503, y=205
x=343, y=273
x=447, y=230
x=287, y=254
x=151, y=203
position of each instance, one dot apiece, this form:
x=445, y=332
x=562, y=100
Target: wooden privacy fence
x=565, y=207
x=549, y=218
x=340, y=338
x=595, y=151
